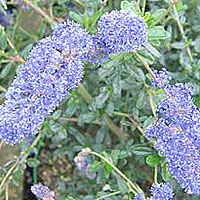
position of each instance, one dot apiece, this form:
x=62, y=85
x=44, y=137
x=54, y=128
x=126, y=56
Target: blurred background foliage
x=118, y=90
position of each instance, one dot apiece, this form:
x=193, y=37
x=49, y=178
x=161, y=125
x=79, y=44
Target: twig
x=108, y=195
x=145, y=65
x=6, y=193
x=151, y=104
x=39, y=11
x=163, y=16
x=132, y=120
x=74, y=119
x=182, y=32
x=133, y=185
x=16, y=165
x=138, y=5
x=156, y=174
x=143, y=7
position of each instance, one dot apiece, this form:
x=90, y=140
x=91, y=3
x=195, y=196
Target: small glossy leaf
x=158, y=33
x=121, y=184
x=153, y=159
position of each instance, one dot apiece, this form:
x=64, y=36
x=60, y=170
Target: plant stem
x=134, y=186
x=74, y=119
x=165, y=14
x=138, y=5
x=151, y=104
x=39, y=11
x=140, y=129
x=84, y=93
x=156, y=174
x=143, y=7
x=6, y=193
x=145, y=65
x=108, y=195
x=16, y=165
x=182, y=32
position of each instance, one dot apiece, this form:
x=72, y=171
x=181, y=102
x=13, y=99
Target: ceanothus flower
x=120, y=31
x=71, y=39
x=177, y=133
x=81, y=162
x=162, y=78
x=50, y=72
x=5, y=17
x=42, y=192
x=162, y=191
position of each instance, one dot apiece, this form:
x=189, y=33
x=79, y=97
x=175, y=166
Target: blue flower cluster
x=162, y=78
x=177, y=133
x=138, y=197
x=159, y=191
x=42, y=192
x=55, y=66
x=162, y=191
x=81, y=162
x=5, y=17
x=120, y=31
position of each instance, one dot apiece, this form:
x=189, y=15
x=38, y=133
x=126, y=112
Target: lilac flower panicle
x=162, y=78
x=39, y=86
x=177, y=134
x=119, y=31
x=42, y=192
x=162, y=191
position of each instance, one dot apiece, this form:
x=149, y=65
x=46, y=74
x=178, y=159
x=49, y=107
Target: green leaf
x=32, y=162
x=153, y=50
x=164, y=171
x=141, y=99
x=95, y=166
x=93, y=19
x=100, y=135
x=76, y=17
x=86, y=118
x=153, y=159
x=130, y=6
x=179, y=5
x=121, y=184
x=5, y=70
x=115, y=156
x=108, y=167
x=3, y=38
x=158, y=14
x=142, y=150
x=158, y=33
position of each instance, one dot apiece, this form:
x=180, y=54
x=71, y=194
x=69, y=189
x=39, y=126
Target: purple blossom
x=177, y=134
x=50, y=72
x=5, y=17
x=162, y=191
x=71, y=39
x=119, y=31
x=42, y=192
x=81, y=162
x=162, y=78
